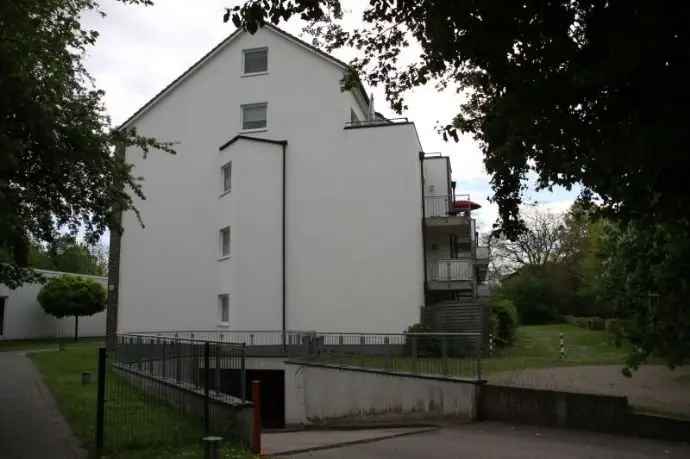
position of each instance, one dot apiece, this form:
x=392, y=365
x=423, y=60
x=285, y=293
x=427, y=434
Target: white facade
x=352, y=233
x=24, y=318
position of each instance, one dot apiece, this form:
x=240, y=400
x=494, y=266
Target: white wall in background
x=24, y=317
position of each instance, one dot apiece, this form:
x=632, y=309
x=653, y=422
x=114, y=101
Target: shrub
x=539, y=294
x=426, y=346
x=67, y=296
x=503, y=320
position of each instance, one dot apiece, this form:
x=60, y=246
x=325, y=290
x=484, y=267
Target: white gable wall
x=352, y=205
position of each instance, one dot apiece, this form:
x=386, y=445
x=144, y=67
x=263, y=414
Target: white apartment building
x=290, y=204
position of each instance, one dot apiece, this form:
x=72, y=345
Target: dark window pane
x=256, y=61
x=254, y=116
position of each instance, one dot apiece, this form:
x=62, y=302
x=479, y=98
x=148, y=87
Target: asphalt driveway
x=498, y=440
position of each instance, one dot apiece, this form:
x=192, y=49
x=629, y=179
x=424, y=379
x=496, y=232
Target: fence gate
x=166, y=391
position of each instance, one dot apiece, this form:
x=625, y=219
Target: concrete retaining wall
x=346, y=394
x=599, y=413
x=230, y=415
x=552, y=408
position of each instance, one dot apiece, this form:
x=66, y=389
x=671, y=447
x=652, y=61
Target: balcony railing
x=375, y=122
x=452, y=269
x=436, y=206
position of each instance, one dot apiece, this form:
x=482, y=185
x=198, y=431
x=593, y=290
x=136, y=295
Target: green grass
x=136, y=425
x=536, y=346
x=43, y=343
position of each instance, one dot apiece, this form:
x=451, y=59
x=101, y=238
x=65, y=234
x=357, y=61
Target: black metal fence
x=448, y=354
x=169, y=391
x=443, y=353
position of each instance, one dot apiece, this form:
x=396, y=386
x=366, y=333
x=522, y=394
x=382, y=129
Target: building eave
x=250, y=138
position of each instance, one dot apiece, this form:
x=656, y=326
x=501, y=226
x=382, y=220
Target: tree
x=539, y=244
x=58, y=167
x=68, y=255
x=645, y=278
x=573, y=92
x=588, y=92
x=72, y=296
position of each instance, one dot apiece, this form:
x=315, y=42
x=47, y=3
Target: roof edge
x=173, y=84
x=251, y=138
x=209, y=55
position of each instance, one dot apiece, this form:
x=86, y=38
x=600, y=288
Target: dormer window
x=255, y=61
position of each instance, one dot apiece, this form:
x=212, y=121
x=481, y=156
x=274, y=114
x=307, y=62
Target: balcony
x=451, y=274
x=482, y=255
x=438, y=212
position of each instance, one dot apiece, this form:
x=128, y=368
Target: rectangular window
x=224, y=308
x=255, y=60
x=2, y=314
x=226, y=174
x=254, y=116
x=225, y=242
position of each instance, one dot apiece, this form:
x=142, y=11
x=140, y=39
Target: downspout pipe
x=283, y=252
x=421, y=175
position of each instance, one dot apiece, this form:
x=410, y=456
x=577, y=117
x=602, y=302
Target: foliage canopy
x=58, y=167
x=589, y=92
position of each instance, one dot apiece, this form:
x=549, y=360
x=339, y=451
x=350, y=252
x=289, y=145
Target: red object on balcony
x=465, y=204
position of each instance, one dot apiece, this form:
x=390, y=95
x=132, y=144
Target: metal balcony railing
x=375, y=122
x=437, y=205
x=452, y=269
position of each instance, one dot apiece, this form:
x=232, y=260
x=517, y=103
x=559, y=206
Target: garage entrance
x=272, y=393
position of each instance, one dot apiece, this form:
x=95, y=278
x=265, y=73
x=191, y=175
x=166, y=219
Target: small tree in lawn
x=72, y=296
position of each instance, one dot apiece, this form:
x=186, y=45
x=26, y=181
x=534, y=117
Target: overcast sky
x=142, y=49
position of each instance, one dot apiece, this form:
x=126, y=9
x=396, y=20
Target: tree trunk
x=76, y=328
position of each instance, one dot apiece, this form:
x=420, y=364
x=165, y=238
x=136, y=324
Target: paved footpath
x=31, y=427
x=498, y=440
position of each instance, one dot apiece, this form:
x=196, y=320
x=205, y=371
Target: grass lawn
x=538, y=346
x=140, y=428
x=43, y=343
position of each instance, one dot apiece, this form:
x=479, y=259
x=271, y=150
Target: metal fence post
x=256, y=431
x=178, y=360
x=216, y=384
x=243, y=374
x=100, y=400
x=444, y=354
x=164, y=374
x=479, y=358
x=414, y=354
x=206, y=384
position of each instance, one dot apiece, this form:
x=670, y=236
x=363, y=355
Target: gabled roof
x=219, y=47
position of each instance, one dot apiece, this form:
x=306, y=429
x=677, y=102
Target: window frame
x=224, y=309
x=225, y=167
x=244, y=61
x=221, y=232
x=244, y=107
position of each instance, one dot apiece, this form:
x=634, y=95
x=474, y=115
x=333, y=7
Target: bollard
x=212, y=447
x=256, y=431
x=562, y=356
